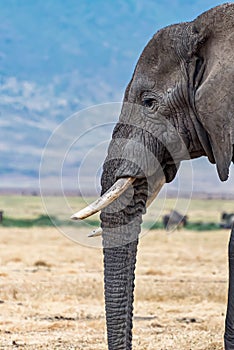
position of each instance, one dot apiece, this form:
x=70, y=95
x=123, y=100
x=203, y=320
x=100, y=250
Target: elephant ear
x=213, y=81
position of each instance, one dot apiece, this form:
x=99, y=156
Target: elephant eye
x=149, y=103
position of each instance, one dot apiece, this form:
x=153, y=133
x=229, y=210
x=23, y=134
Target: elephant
x=178, y=105
x=227, y=220
x=174, y=220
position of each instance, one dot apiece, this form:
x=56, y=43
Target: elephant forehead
x=141, y=83
x=162, y=48
x=159, y=65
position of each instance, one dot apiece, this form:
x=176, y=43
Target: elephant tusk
x=107, y=198
x=157, y=187
x=95, y=233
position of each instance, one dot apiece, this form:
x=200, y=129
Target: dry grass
x=51, y=291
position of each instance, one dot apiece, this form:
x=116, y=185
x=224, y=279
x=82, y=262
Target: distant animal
x=1, y=215
x=174, y=219
x=227, y=220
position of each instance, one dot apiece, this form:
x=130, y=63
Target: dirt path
x=51, y=292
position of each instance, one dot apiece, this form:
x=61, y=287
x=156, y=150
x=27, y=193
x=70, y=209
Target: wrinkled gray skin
x=179, y=104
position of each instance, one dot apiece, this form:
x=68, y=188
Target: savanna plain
x=51, y=288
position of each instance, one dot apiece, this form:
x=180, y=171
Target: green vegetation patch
x=202, y=226
x=42, y=220
x=191, y=226
x=46, y=221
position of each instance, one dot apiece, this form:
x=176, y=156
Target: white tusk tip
x=74, y=217
x=95, y=233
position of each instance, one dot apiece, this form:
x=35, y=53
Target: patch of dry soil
x=51, y=291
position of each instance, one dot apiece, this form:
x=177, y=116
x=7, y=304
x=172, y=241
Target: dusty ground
x=51, y=291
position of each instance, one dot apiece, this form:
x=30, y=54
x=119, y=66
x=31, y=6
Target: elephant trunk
x=121, y=222
x=119, y=264
x=120, y=240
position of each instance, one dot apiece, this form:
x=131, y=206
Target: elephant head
x=179, y=104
